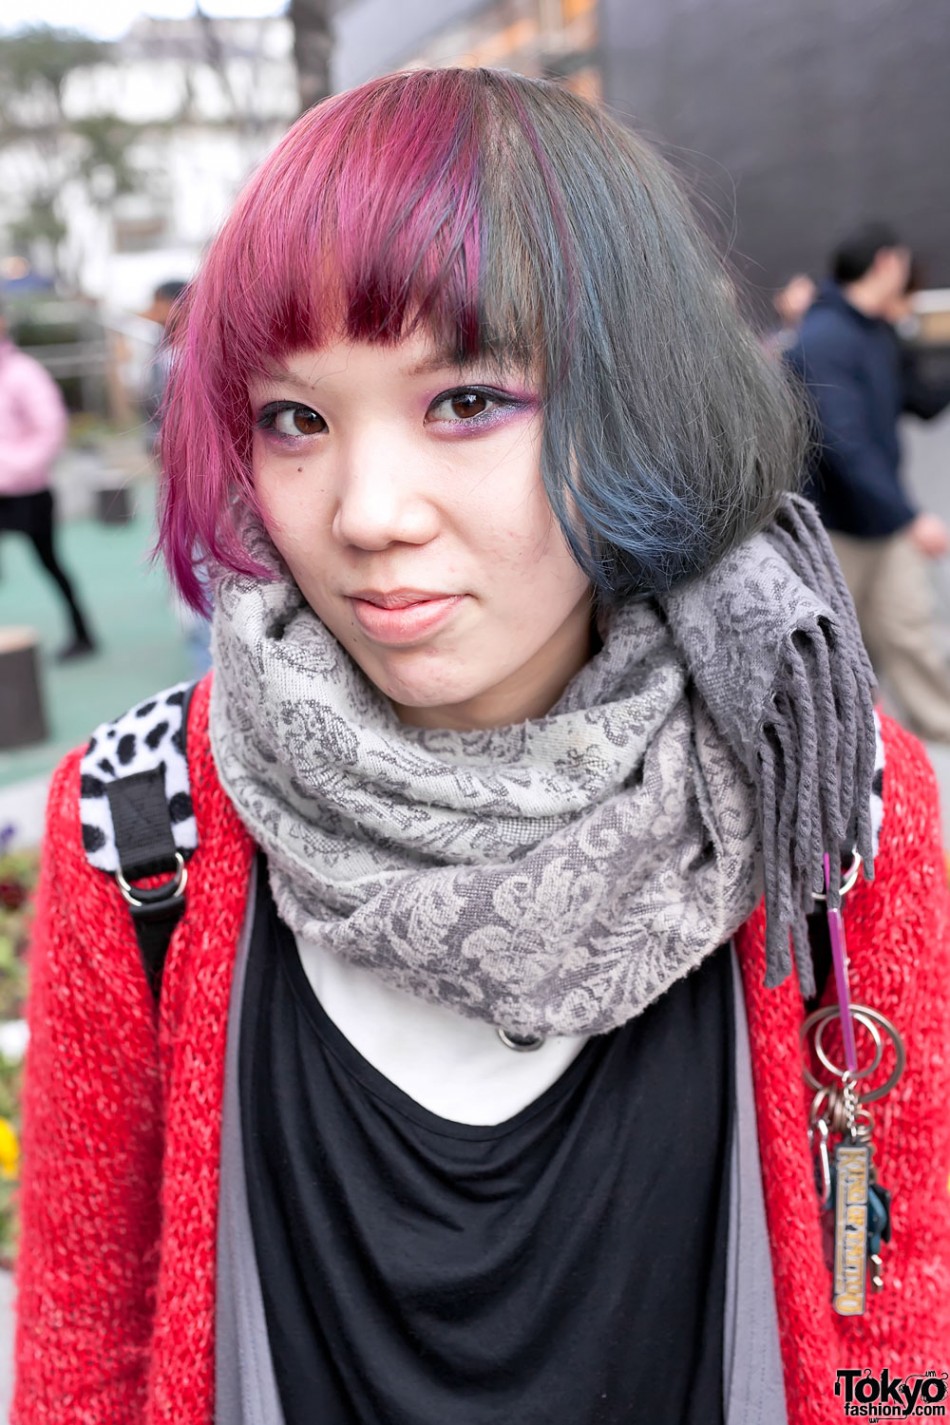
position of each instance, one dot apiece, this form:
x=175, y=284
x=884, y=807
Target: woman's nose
x=383, y=497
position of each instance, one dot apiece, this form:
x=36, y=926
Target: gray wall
x=795, y=118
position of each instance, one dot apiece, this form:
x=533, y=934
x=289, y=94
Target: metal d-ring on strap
x=848, y=881
x=172, y=889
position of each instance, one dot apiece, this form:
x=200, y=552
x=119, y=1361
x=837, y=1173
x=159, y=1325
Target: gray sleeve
x=753, y=1384
x=245, y=1386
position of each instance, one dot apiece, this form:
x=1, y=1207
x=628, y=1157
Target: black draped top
x=564, y=1267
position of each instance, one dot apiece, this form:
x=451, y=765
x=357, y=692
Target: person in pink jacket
x=32, y=432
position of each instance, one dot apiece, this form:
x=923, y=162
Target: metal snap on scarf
x=521, y=1043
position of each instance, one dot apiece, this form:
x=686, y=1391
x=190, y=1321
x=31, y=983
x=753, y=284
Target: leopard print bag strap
x=137, y=816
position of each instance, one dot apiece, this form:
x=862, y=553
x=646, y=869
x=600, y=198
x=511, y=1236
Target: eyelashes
x=474, y=408
x=290, y=420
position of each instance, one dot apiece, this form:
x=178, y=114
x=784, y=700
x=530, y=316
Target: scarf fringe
x=815, y=751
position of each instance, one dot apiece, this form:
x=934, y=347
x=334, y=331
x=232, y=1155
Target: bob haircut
x=514, y=221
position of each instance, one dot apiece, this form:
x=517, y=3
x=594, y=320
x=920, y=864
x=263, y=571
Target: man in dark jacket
x=849, y=358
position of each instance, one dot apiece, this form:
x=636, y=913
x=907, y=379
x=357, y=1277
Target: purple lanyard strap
x=839, y=958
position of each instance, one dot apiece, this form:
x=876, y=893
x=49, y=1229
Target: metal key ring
x=865, y=1016
x=848, y=882
x=819, y=1021
x=864, y=1070
x=817, y=1111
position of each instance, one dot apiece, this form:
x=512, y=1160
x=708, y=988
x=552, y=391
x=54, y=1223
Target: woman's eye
x=292, y=420
x=462, y=405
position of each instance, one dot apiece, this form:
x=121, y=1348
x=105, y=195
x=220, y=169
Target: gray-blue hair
x=669, y=434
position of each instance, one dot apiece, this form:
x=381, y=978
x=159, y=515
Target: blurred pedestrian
x=790, y=302
x=195, y=625
x=923, y=396
x=155, y=379
x=849, y=359
x=33, y=429
x=530, y=676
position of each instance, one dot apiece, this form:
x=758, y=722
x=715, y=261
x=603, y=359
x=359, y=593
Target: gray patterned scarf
x=557, y=876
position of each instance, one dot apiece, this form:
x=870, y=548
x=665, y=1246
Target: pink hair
x=364, y=221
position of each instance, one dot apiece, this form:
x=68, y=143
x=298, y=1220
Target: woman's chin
x=420, y=679
x=425, y=701
x=421, y=707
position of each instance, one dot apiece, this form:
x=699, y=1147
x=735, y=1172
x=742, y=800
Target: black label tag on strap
x=143, y=833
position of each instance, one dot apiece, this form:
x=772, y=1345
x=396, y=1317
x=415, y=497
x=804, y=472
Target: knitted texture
x=117, y=1267
x=94, y=1226
x=898, y=933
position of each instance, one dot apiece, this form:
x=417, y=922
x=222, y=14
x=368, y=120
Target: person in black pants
x=32, y=430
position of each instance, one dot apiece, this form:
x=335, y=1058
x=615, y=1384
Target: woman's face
x=405, y=496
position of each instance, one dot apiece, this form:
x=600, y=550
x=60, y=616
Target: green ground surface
x=129, y=605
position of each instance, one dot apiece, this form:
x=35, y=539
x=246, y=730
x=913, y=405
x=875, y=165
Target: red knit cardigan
x=123, y=1123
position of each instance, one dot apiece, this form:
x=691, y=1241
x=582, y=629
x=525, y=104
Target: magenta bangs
x=364, y=222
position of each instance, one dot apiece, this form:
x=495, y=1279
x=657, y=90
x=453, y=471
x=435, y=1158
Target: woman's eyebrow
x=435, y=362
x=447, y=358
x=443, y=361
x=277, y=371
x=284, y=376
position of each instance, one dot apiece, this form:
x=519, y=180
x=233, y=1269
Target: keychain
x=856, y=1209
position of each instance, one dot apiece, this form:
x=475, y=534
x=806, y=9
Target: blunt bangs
x=512, y=220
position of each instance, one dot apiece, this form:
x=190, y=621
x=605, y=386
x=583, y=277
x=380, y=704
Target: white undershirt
x=455, y=1067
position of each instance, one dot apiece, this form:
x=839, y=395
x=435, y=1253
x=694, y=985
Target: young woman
x=475, y=1089
x=34, y=425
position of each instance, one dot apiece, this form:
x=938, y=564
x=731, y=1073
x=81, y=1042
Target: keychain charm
x=852, y=1191
x=856, y=1209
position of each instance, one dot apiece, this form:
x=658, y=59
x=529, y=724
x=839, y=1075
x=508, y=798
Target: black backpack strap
x=146, y=847
x=137, y=816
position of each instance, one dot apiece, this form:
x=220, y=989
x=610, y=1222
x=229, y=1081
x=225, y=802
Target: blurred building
x=209, y=97
x=791, y=121
x=557, y=38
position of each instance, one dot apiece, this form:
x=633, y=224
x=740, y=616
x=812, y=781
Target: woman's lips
x=406, y=622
